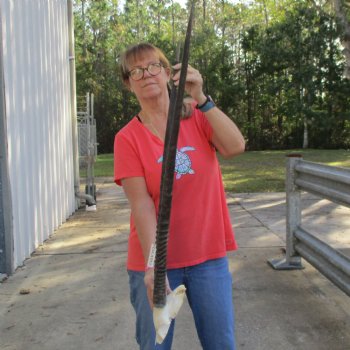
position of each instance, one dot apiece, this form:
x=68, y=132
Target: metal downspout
x=6, y=215
x=89, y=199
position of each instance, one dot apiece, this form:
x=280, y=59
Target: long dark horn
x=168, y=168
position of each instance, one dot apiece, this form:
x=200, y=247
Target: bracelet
x=151, y=257
x=207, y=105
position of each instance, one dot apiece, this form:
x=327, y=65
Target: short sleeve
x=203, y=124
x=127, y=162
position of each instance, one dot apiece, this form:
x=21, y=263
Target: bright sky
x=183, y=2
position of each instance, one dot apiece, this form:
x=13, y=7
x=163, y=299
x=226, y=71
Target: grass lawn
x=254, y=171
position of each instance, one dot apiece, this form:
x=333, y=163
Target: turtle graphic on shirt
x=182, y=162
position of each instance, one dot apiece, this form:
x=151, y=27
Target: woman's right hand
x=149, y=283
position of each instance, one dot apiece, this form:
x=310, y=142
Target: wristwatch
x=207, y=105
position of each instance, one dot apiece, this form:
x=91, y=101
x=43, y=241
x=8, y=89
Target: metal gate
x=87, y=141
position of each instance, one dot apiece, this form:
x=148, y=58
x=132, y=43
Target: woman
x=200, y=232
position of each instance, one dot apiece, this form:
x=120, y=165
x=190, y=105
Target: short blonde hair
x=138, y=51
x=135, y=52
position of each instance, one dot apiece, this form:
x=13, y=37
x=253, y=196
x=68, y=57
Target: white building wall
x=39, y=128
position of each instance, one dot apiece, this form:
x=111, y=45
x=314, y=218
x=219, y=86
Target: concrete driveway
x=72, y=293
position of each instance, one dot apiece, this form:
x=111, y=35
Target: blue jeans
x=209, y=293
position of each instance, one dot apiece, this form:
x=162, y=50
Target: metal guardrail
x=332, y=183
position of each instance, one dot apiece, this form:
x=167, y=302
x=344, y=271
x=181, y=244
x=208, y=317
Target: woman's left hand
x=194, y=82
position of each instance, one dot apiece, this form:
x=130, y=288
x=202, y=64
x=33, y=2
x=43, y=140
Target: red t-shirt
x=200, y=227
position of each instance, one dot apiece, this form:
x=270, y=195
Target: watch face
x=205, y=102
x=207, y=105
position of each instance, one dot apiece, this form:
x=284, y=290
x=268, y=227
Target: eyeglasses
x=138, y=73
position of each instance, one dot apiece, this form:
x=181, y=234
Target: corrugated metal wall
x=39, y=128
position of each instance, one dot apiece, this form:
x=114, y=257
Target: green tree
x=275, y=66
